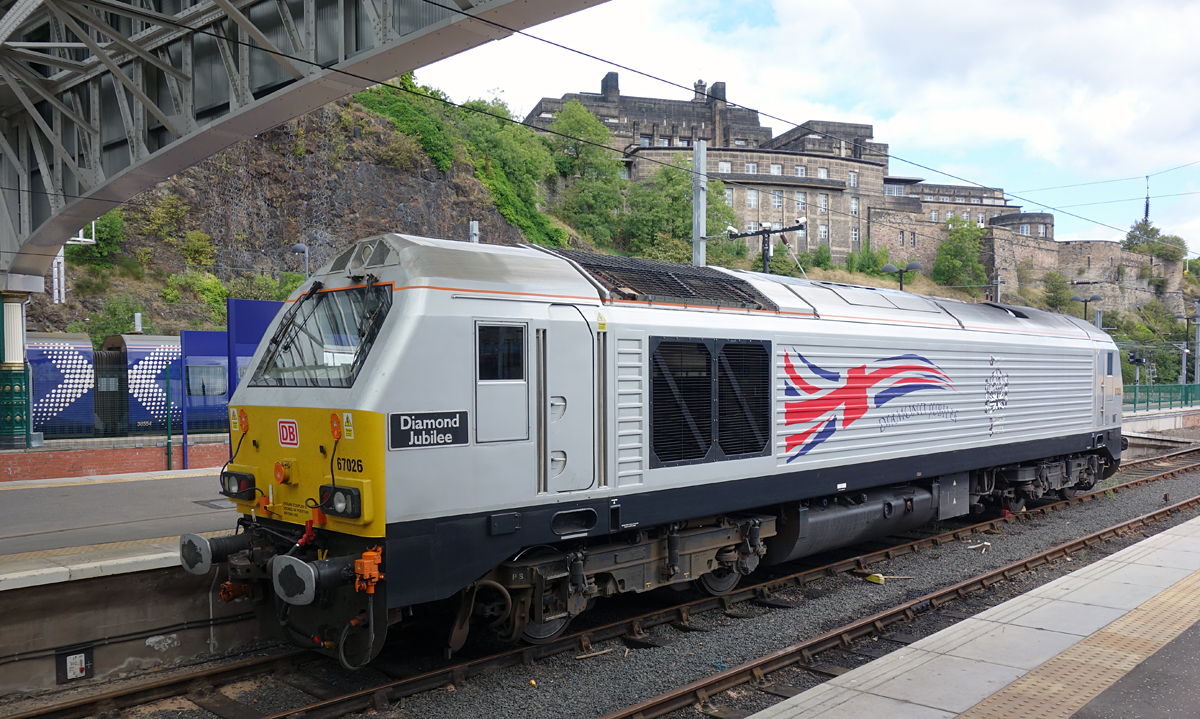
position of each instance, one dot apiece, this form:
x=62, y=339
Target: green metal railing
x=1160, y=396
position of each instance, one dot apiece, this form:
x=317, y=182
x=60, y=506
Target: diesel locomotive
x=528, y=430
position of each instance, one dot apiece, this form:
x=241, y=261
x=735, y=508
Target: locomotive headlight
x=340, y=501
x=237, y=485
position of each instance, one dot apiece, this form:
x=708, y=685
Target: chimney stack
x=701, y=95
x=609, y=88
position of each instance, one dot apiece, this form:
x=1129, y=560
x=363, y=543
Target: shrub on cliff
x=110, y=233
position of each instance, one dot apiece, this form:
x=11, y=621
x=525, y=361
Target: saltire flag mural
x=824, y=395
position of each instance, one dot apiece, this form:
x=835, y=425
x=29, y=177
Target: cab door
x=566, y=401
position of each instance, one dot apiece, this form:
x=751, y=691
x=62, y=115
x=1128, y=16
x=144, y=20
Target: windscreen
x=324, y=339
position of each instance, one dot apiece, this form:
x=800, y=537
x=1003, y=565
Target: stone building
x=837, y=176
x=832, y=173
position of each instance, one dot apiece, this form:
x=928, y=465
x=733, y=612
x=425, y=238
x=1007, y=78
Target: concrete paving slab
x=870, y=705
x=1060, y=587
x=881, y=670
x=954, y=636
x=1016, y=646
x=1184, y=530
x=31, y=573
x=1147, y=575
x=1115, y=594
x=1172, y=558
x=1185, y=544
x=948, y=683
x=1013, y=608
x=1068, y=617
x=810, y=703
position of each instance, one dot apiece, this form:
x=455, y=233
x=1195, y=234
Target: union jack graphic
x=819, y=404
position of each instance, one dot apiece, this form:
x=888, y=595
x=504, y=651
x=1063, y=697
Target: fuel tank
x=845, y=520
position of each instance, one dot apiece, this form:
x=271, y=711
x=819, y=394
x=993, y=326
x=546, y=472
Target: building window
x=752, y=226
x=823, y=232
x=893, y=190
x=751, y=168
x=801, y=202
x=979, y=218
x=624, y=173
x=901, y=238
x=823, y=202
x=976, y=201
x=776, y=169
x=777, y=200
x=928, y=198
x=739, y=143
x=944, y=198
x=854, y=234
x=751, y=198
x=1041, y=230
x=854, y=206
x=912, y=239
x=802, y=233
x=960, y=199
x=1025, y=230
x=933, y=215
x=776, y=225
x=644, y=141
x=664, y=142
x=724, y=167
x=801, y=171
x=966, y=215
x=822, y=173
x=852, y=179
x=729, y=196
x=682, y=142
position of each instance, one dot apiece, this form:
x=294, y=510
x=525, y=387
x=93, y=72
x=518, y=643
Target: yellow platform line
x=1065, y=684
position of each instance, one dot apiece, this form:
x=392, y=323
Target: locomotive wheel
x=720, y=581
x=1067, y=492
x=545, y=632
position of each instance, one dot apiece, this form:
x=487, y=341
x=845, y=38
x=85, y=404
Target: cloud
x=1051, y=93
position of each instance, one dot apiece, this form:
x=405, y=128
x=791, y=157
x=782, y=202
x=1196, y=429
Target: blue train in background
x=120, y=390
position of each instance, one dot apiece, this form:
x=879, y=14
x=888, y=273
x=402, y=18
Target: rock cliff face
x=320, y=180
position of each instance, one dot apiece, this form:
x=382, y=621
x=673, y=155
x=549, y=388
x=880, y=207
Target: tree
x=594, y=196
x=1055, y=291
x=110, y=233
x=663, y=205
x=115, y=318
x=957, y=261
x=1144, y=237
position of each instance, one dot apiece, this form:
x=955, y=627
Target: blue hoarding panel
x=205, y=379
x=248, y=322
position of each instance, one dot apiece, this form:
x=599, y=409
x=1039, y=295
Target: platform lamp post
x=891, y=269
x=1194, y=317
x=1093, y=298
x=298, y=248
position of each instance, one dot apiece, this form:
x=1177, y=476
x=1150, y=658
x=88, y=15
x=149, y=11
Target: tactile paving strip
x=1063, y=685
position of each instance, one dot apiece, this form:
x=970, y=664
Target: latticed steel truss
x=100, y=99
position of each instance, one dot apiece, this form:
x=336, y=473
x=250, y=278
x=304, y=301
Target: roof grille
x=633, y=278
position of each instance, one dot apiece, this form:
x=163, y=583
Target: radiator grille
x=681, y=382
x=634, y=278
x=743, y=398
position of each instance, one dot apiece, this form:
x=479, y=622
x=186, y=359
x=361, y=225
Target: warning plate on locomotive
x=410, y=430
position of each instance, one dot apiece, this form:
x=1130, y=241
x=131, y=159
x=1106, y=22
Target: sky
x=1023, y=95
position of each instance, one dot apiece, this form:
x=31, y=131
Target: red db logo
x=289, y=433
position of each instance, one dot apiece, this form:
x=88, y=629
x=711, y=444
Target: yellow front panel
x=295, y=437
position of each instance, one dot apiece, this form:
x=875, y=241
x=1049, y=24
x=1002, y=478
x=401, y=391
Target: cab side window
x=501, y=353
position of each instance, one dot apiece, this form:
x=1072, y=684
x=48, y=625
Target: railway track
x=203, y=687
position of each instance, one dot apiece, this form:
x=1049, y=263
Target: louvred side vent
x=681, y=418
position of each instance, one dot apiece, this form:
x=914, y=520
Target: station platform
x=51, y=514
x=1118, y=638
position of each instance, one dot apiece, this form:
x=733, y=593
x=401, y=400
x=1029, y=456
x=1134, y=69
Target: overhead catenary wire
x=460, y=106
x=651, y=76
